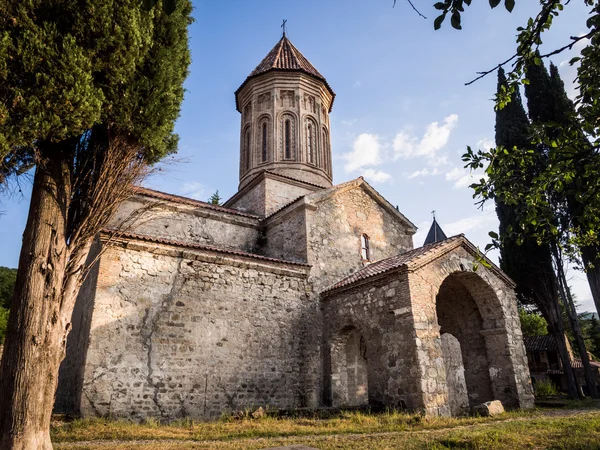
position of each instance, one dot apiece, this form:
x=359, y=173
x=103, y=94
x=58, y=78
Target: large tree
x=526, y=260
x=89, y=93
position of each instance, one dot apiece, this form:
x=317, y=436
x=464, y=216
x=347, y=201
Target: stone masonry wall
x=280, y=193
x=189, y=224
x=70, y=378
x=285, y=235
x=380, y=311
x=184, y=333
x=334, y=230
x=252, y=202
x=508, y=371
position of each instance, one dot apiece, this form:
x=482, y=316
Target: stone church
x=293, y=294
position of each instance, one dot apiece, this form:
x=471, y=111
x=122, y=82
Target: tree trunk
x=589, y=255
x=574, y=322
x=551, y=312
x=38, y=324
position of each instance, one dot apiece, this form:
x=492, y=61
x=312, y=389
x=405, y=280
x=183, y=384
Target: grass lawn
x=575, y=426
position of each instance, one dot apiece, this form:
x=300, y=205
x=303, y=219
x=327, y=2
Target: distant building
x=545, y=363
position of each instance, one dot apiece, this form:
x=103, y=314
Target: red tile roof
x=577, y=364
x=286, y=57
x=157, y=240
x=190, y=201
x=395, y=262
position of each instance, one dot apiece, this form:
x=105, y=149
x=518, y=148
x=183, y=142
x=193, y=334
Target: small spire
x=283, y=26
x=436, y=233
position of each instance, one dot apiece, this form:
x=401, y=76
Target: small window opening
x=247, y=149
x=364, y=247
x=310, y=144
x=288, y=140
x=264, y=142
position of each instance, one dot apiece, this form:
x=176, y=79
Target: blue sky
x=402, y=115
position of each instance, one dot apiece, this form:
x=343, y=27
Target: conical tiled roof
x=435, y=234
x=285, y=57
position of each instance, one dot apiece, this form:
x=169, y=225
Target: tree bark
x=38, y=324
x=574, y=322
x=589, y=255
x=558, y=331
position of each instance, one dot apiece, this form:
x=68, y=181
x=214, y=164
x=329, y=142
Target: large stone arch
x=456, y=294
x=459, y=315
x=404, y=304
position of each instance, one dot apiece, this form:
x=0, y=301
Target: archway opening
x=458, y=315
x=349, y=374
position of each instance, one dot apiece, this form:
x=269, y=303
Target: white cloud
x=423, y=173
x=463, y=177
x=377, y=176
x=484, y=219
x=486, y=144
x=349, y=122
x=366, y=152
x=194, y=190
x=435, y=138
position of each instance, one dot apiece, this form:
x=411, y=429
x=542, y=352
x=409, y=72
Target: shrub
x=544, y=388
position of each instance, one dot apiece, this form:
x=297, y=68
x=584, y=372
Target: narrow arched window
x=364, y=247
x=324, y=145
x=264, y=142
x=247, y=148
x=310, y=143
x=288, y=139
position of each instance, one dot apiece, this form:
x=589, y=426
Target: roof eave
x=274, y=69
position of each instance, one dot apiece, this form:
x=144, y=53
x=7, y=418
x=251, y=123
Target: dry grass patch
x=574, y=427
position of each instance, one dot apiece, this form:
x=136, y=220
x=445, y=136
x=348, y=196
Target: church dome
x=285, y=57
x=285, y=104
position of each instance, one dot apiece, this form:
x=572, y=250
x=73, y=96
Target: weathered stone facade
x=403, y=306
x=294, y=294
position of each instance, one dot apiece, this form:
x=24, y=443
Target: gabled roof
x=415, y=259
x=435, y=234
x=321, y=195
x=286, y=57
x=126, y=235
x=145, y=192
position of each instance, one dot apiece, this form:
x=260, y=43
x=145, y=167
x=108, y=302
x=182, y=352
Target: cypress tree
x=89, y=89
x=528, y=263
x=580, y=194
x=553, y=114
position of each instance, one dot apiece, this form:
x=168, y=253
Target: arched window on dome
x=287, y=136
x=247, y=152
x=288, y=139
x=311, y=142
x=263, y=138
x=326, y=151
x=264, y=143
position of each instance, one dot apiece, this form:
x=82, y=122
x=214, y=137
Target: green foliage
x=545, y=388
x=68, y=66
x=215, y=199
x=7, y=285
x=3, y=323
x=532, y=324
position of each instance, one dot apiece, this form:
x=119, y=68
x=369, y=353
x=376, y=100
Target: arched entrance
x=463, y=304
x=349, y=378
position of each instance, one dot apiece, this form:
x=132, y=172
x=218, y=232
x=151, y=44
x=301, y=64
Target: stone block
x=493, y=408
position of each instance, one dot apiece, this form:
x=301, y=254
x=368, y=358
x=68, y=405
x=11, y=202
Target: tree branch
x=413, y=7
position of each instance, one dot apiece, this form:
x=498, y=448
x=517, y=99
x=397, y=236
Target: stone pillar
x=458, y=397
